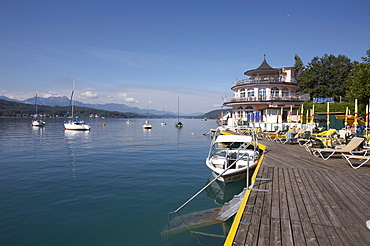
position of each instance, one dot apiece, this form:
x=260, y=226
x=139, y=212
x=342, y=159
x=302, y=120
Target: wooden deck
x=310, y=201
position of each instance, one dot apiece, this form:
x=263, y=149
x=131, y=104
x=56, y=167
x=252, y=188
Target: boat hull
x=231, y=175
x=76, y=127
x=147, y=127
x=38, y=123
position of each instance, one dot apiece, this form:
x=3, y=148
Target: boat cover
x=234, y=138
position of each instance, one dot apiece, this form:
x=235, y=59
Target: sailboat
x=178, y=124
x=128, y=121
x=37, y=121
x=73, y=123
x=147, y=126
x=163, y=123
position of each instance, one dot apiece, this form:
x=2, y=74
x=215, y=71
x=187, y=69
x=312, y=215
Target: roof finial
x=264, y=56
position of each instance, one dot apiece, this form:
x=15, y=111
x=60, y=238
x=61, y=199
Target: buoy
x=104, y=124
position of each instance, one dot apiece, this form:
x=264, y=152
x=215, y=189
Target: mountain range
x=64, y=101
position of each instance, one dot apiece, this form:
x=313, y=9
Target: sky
x=146, y=53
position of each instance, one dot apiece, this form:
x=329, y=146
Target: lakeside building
x=268, y=95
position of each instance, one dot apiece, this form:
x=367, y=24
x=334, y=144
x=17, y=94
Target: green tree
x=358, y=82
x=326, y=76
x=298, y=66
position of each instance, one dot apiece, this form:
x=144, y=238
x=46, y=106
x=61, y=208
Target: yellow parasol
x=281, y=113
x=307, y=117
x=313, y=114
x=346, y=118
x=356, y=114
x=367, y=117
x=328, y=116
x=298, y=117
x=350, y=119
x=301, y=118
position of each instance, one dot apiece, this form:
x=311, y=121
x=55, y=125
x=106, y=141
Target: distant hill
x=58, y=102
x=215, y=114
x=18, y=109
x=64, y=101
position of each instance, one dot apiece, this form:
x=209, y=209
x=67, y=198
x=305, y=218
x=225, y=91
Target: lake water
x=113, y=185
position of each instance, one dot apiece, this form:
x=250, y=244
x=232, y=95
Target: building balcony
x=296, y=98
x=267, y=79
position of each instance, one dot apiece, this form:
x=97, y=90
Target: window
x=274, y=92
x=251, y=92
x=262, y=93
x=285, y=92
x=242, y=93
x=249, y=109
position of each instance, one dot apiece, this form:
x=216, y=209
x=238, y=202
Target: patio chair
x=271, y=135
x=351, y=146
x=286, y=138
x=363, y=158
x=327, y=133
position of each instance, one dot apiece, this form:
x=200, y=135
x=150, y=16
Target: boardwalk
x=310, y=201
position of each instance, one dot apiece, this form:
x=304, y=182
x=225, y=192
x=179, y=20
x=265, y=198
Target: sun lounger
x=362, y=158
x=289, y=138
x=347, y=149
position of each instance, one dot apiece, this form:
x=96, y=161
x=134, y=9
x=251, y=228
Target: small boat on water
x=74, y=123
x=231, y=156
x=37, y=121
x=147, y=125
x=178, y=124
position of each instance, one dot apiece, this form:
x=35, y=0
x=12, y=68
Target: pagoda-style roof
x=263, y=68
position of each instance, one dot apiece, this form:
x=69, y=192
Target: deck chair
x=284, y=138
x=363, y=158
x=327, y=133
x=271, y=135
x=352, y=145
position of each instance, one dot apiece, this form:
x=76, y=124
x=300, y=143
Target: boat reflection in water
x=222, y=193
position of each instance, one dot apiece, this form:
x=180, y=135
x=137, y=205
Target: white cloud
x=89, y=95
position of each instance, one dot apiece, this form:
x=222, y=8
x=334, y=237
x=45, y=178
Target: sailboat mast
x=36, y=105
x=70, y=101
x=73, y=91
x=178, y=108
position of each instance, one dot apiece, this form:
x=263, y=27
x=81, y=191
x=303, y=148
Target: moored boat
x=147, y=125
x=73, y=123
x=37, y=121
x=232, y=156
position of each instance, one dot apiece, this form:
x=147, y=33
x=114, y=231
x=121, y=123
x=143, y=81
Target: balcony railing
x=303, y=97
x=267, y=79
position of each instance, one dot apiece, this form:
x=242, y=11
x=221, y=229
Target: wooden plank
x=275, y=233
x=311, y=212
x=286, y=233
x=252, y=237
x=308, y=232
x=312, y=201
x=347, y=199
x=244, y=226
x=320, y=216
x=346, y=215
x=264, y=232
x=284, y=212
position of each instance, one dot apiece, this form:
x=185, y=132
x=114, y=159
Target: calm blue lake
x=113, y=185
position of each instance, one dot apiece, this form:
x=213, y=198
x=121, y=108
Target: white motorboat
x=232, y=156
x=74, y=123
